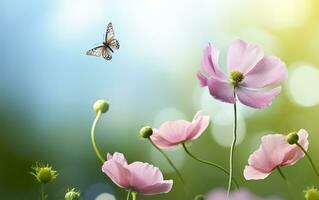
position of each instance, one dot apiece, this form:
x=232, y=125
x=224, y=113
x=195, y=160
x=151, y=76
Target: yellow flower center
x=236, y=77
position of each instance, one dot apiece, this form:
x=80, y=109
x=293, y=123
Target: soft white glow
x=303, y=85
x=222, y=130
x=282, y=14
x=71, y=17
x=105, y=196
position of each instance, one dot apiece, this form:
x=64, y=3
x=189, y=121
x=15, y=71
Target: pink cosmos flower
x=221, y=194
x=274, y=152
x=172, y=133
x=250, y=73
x=140, y=177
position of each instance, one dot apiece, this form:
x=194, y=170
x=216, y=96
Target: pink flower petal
x=242, y=194
x=118, y=157
x=202, y=79
x=274, y=152
x=221, y=90
x=172, y=133
x=256, y=98
x=295, y=154
x=269, y=70
x=251, y=173
x=144, y=175
x=243, y=56
x=162, y=187
x=117, y=172
x=160, y=141
x=199, y=125
x=210, y=63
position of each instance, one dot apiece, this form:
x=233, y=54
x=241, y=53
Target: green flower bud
x=312, y=194
x=292, y=138
x=236, y=77
x=101, y=105
x=44, y=173
x=146, y=132
x=199, y=197
x=72, y=195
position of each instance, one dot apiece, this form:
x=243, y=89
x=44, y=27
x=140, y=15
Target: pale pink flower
x=139, y=177
x=221, y=194
x=250, y=75
x=172, y=133
x=274, y=152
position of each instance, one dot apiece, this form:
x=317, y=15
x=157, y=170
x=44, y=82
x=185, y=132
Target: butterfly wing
x=97, y=51
x=110, y=37
x=107, y=54
x=114, y=44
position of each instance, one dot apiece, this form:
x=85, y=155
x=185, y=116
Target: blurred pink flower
x=221, y=194
x=140, y=177
x=172, y=133
x=274, y=152
x=250, y=73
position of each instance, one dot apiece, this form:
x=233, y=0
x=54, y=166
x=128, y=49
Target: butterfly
x=107, y=47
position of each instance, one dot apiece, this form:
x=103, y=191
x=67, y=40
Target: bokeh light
x=302, y=85
x=105, y=196
x=222, y=130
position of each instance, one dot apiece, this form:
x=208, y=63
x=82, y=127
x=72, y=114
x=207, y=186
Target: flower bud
x=199, y=197
x=312, y=194
x=146, y=132
x=292, y=138
x=101, y=106
x=44, y=173
x=72, y=195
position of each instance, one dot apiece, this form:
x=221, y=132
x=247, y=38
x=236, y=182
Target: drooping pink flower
x=243, y=194
x=250, y=73
x=139, y=177
x=172, y=133
x=274, y=152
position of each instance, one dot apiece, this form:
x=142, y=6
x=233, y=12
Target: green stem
x=169, y=161
x=232, y=149
x=310, y=159
x=209, y=163
x=281, y=174
x=42, y=192
x=134, y=194
x=93, y=137
x=128, y=195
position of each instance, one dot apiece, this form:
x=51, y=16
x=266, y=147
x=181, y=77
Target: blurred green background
x=48, y=86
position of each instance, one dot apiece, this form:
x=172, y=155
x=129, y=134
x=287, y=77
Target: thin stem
x=42, y=192
x=134, y=194
x=209, y=163
x=93, y=137
x=310, y=159
x=232, y=149
x=281, y=174
x=169, y=161
x=128, y=195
